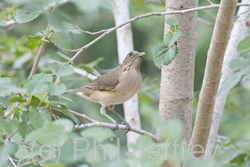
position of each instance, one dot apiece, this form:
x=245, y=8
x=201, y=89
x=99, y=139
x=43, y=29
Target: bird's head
x=133, y=60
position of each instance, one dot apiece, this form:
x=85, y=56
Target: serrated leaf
x=35, y=87
x=7, y=88
x=172, y=21
x=61, y=69
x=57, y=89
x=43, y=77
x=60, y=39
x=24, y=16
x=243, y=46
x=38, y=83
x=34, y=41
x=89, y=69
x=163, y=55
x=38, y=118
x=171, y=37
x=66, y=112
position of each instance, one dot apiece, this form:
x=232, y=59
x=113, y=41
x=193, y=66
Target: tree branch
x=80, y=50
x=239, y=32
x=215, y=55
x=95, y=123
x=155, y=138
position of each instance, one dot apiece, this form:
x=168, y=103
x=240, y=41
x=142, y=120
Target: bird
x=114, y=87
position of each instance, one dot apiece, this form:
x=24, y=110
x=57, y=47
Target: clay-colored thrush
x=114, y=87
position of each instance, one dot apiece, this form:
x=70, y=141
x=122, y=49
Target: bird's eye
x=130, y=54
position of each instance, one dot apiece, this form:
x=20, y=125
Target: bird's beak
x=141, y=54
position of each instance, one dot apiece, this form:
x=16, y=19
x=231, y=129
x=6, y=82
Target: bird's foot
x=115, y=128
x=128, y=127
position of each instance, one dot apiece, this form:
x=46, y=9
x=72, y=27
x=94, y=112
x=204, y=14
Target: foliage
x=33, y=131
x=166, y=51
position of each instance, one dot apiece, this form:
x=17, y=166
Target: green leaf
x=35, y=87
x=61, y=69
x=229, y=83
x=172, y=21
x=6, y=150
x=240, y=63
x=7, y=88
x=243, y=46
x=60, y=39
x=100, y=134
x=228, y=156
x=67, y=124
x=34, y=41
x=24, y=129
x=49, y=133
x=170, y=37
x=34, y=101
x=24, y=16
x=38, y=83
x=15, y=99
x=89, y=69
x=163, y=55
x=66, y=112
x=56, y=89
x=8, y=126
x=38, y=118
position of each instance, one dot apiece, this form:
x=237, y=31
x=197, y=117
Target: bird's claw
x=115, y=128
x=128, y=127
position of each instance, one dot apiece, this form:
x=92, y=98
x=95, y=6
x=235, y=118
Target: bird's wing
x=107, y=82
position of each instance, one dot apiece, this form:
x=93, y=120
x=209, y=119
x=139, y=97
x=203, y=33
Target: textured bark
x=212, y=75
x=125, y=45
x=239, y=32
x=177, y=79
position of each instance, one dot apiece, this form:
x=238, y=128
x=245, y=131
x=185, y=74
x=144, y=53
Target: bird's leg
x=124, y=122
x=103, y=112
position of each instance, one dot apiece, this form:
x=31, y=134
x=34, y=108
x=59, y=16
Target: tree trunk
x=239, y=32
x=177, y=79
x=125, y=45
x=212, y=75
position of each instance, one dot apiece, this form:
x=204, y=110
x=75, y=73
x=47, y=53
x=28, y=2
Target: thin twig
x=83, y=116
x=88, y=32
x=155, y=138
x=12, y=162
x=94, y=123
x=10, y=23
x=79, y=50
x=205, y=22
x=38, y=57
x=211, y=3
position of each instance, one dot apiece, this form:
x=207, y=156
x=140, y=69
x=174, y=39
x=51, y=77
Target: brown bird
x=114, y=87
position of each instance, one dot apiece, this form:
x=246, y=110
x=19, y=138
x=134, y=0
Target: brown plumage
x=114, y=87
